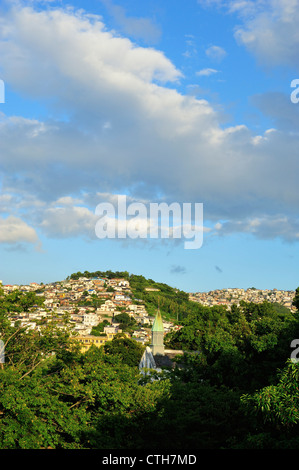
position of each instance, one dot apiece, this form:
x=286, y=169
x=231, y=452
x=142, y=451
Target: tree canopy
x=235, y=387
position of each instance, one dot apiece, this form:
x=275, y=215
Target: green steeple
x=158, y=323
x=157, y=345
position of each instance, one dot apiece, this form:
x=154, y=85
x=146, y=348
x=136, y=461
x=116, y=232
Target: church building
x=156, y=356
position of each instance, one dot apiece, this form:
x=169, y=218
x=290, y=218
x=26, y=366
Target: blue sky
x=170, y=101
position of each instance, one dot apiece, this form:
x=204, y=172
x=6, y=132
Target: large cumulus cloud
x=116, y=123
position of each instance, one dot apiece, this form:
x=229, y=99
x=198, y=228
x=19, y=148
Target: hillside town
x=87, y=303
x=90, y=302
x=235, y=296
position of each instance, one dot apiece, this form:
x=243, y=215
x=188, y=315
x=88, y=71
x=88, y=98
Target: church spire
x=157, y=345
x=158, y=322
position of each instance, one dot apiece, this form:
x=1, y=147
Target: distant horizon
x=161, y=281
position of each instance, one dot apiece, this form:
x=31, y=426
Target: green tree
x=296, y=299
x=33, y=417
x=278, y=404
x=99, y=329
x=52, y=396
x=276, y=409
x=198, y=416
x=226, y=392
x=126, y=322
x=242, y=347
x=18, y=301
x=129, y=350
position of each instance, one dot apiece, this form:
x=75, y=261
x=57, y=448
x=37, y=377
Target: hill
x=238, y=388
x=174, y=304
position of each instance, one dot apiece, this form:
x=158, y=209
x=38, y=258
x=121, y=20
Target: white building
x=90, y=319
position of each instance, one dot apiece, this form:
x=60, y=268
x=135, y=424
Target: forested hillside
x=236, y=386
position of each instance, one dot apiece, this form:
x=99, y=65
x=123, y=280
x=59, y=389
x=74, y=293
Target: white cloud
x=269, y=28
x=68, y=200
x=206, y=72
x=61, y=222
x=126, y=130
x=278, y=106
x=216, y=53
x=82, y=40
x=15, y=230
x=266, y=227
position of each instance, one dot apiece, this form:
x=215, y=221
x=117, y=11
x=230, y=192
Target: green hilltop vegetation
x=174, y=304
x=236, y=386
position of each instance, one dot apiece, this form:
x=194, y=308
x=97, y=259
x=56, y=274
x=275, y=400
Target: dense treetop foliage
x=235, y=386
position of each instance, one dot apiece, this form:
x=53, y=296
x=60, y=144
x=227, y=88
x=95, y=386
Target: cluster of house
x=88, y=302
x=234, y=296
